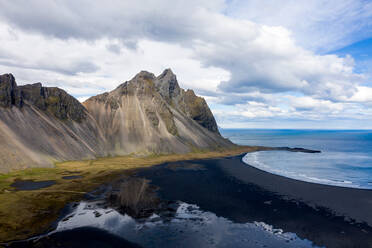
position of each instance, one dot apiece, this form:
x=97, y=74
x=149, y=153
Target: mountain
x=187, y=102
x=41, y=125
x=153, y=114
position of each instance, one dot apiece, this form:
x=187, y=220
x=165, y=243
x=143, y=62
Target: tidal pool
x=32, y=185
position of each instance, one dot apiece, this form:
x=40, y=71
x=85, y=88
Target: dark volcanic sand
x=241, y=193
x=77, y=238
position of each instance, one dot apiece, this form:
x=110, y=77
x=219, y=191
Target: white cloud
x=306, y=103
x=254, y=63
x=267, y=59
x=363, y=94
x=126, y=20
x=320, y=25
x=55, y=62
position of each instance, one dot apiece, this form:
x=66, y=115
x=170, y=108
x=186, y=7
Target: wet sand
x=327, y=215
x=349, y=202
x=77, y=238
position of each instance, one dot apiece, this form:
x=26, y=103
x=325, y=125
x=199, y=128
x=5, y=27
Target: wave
x=253, y=159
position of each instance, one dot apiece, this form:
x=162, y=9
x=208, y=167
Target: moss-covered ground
x=26, y=213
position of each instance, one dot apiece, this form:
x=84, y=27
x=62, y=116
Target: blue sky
x=361, y=51
x=259, y=64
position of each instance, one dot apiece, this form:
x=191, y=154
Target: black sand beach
x=77, y=238
x=326, y=215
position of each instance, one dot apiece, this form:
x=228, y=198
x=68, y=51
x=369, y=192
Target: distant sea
x=345, y=159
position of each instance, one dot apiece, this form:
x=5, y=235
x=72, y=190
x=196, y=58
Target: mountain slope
x=40, y=125
x=153, y=115
x=187, y=102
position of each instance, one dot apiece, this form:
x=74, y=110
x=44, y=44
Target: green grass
x=27, y=213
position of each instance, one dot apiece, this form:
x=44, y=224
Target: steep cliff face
x=54, y=101
x=40, y=125
x=187, y=102
x=48, y=99
x=152, y=114
x=9, y=93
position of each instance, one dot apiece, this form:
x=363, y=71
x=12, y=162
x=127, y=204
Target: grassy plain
x=26, y=213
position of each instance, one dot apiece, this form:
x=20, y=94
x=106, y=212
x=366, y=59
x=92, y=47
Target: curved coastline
x=296, y=168
x=231, y=165
x=228, y=187
x=94, y=172
x=330, y=216
x=353, y=203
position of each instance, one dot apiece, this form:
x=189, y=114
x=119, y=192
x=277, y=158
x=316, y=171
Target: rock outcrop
x=40, y=125
x=48, y=99
x=53, y=100
x=151, y=114
x=9, y=93
x=186, y=101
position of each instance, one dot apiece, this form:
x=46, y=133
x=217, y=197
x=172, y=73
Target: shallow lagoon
x=32, y=185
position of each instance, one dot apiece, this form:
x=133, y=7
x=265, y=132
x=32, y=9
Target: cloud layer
x=249, y=66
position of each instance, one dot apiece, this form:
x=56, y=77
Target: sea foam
x=282, y=165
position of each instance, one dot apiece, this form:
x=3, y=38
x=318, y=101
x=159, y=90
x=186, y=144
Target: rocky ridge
x=191, y=105
x=153, y=114
x=148, y=114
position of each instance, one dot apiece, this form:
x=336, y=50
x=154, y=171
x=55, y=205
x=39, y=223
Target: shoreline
x=117, y=171
x=353, y=203
x=298, y=180
x=329, y=216
x=24, y=214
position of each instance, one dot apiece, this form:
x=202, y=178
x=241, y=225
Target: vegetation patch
x=28, y=213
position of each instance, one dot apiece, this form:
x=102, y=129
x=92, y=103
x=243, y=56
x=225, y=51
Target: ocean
x=345, y=159
x=223, y=202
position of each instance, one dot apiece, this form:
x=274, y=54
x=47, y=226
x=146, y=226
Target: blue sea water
x=345, y=158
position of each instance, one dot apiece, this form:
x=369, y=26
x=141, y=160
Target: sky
x=258, y=63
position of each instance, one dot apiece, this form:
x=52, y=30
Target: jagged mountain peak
x=167, y=85
x=141, y=78
x=9, y=93
x=40, y=125
x=48, y=99
x=144, y=75
x=188, y=102
x=7, y=78
x=146, y=114
x=167, y=73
